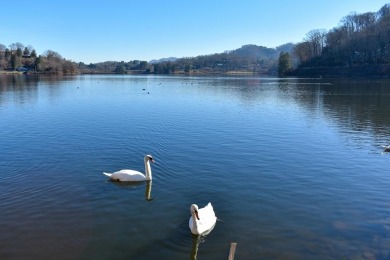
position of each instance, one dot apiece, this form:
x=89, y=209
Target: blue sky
x=124, y=30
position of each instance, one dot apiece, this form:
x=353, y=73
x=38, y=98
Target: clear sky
x=123, y=30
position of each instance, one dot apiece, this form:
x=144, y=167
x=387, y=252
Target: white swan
x=132, y=175
x=202, y=220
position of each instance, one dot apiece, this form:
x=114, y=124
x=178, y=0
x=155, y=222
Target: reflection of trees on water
x=18, y=82
x=26, y=82
x=25, y=87
x=357, y=105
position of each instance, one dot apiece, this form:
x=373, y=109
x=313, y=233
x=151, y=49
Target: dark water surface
x=293, y=167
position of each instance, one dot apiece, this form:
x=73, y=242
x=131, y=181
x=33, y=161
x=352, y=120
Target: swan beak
x=152, y=160
x=196, y=215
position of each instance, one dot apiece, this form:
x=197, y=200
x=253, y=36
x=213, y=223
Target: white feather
x=132, y=175
x=206, y=221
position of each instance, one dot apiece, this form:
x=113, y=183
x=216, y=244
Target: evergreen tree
x=26, y=52
x=7, y=54
x=187, y=68
x=33, y=54
x=15, y=61
x=38, y=62
x=284, y=63
x=19, y=52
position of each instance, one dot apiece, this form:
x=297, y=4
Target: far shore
x=8, y=72
x=192, y=72
x=363, y=71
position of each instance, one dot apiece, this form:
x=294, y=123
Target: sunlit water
x=293, y=167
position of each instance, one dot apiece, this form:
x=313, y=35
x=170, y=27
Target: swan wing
x=207, y=219
x=128, y=175
x=208, y=213
x=191, y=224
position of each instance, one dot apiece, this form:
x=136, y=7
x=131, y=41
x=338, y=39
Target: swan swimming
x=132, y=175
x=202, y=220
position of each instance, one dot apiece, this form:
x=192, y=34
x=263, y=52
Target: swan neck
x=148, y=170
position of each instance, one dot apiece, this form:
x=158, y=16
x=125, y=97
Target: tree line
x=134, y=66
x=24, y=58
x=248, y=58
x=360, y=39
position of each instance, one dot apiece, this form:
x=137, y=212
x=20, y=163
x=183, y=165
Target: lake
x=293, y=167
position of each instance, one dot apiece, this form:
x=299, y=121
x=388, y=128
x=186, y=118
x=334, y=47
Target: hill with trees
x=360, y=45
x=247, y=59
x=18, y=57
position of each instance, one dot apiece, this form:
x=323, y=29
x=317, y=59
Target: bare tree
x=14, y=46
x=316, y=40
x=2, y=53
x=302, y=51
x=30, y=48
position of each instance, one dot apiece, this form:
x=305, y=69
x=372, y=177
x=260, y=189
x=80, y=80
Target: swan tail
x=107, y=174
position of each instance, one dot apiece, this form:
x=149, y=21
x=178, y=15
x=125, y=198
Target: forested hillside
x=247, y=59
x=360, y=45
x=18, y=57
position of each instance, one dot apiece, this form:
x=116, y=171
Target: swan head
x=149, y=158
x=194, y=211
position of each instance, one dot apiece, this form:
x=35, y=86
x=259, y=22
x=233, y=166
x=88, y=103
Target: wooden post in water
x=232, y=250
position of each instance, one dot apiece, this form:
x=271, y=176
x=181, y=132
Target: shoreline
x=312, y=72
x=7, y=72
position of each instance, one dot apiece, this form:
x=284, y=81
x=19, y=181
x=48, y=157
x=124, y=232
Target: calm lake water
x=293, y=167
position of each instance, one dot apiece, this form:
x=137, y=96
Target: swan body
x=132, y=175
x=202, y=220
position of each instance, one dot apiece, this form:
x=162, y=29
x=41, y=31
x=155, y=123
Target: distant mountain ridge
x=249, y=58
x=246, y=51
x=254, y=51
x=170, y=59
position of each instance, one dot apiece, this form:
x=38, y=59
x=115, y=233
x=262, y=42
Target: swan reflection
x=148, y=191
x=148, y=187
x=195, y=246
x=196, y=240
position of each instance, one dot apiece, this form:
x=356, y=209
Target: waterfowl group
x=202, y=220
